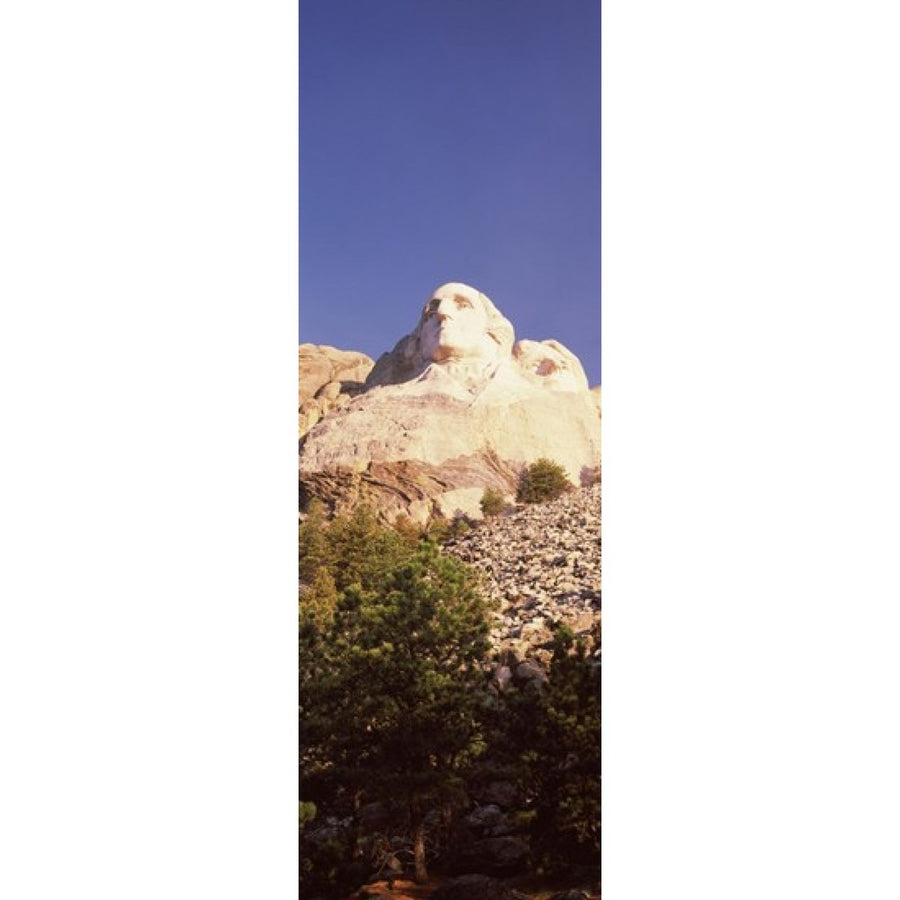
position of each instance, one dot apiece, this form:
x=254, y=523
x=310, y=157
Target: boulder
x=501, y=794
x=498, y=856
x=502, y=677
x=329, y=391
x=530, y=670
x=487, y=821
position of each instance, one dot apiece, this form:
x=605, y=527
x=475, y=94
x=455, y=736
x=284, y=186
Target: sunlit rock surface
x=457, y=406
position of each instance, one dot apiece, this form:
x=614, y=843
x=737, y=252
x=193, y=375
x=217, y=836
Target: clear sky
x=450, y=140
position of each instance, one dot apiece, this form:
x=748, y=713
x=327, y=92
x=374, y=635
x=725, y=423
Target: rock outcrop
x=328, y=379
x=456, y=407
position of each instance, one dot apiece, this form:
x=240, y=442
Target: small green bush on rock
x=492, y=503
x=543, y=480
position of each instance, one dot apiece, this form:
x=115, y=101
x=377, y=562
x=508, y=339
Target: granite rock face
x=328, y=379
x=456, y=407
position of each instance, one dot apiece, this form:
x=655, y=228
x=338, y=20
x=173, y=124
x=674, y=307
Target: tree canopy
x=392, y=639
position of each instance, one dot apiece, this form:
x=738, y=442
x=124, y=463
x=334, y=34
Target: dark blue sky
x=450, y=140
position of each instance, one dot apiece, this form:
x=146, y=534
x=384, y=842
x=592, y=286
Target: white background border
x=751, y=231
x=148, y=285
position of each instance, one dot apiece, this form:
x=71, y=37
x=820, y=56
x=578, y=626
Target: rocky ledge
x=541, y=563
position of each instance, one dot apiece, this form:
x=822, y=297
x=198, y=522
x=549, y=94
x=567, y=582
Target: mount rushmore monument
x=456, y=407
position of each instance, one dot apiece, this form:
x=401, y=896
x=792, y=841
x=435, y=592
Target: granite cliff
x=457, y=406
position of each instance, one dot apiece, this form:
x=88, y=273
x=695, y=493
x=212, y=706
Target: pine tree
x=389, y=693
x=314, y=551
x=318, y=601
x=564, y=761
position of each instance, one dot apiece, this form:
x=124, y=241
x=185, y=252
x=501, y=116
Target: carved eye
x=547, y=367
x=463, y=303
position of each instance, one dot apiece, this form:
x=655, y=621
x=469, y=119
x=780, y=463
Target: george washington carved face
x=463, y=342
x=460, y=323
